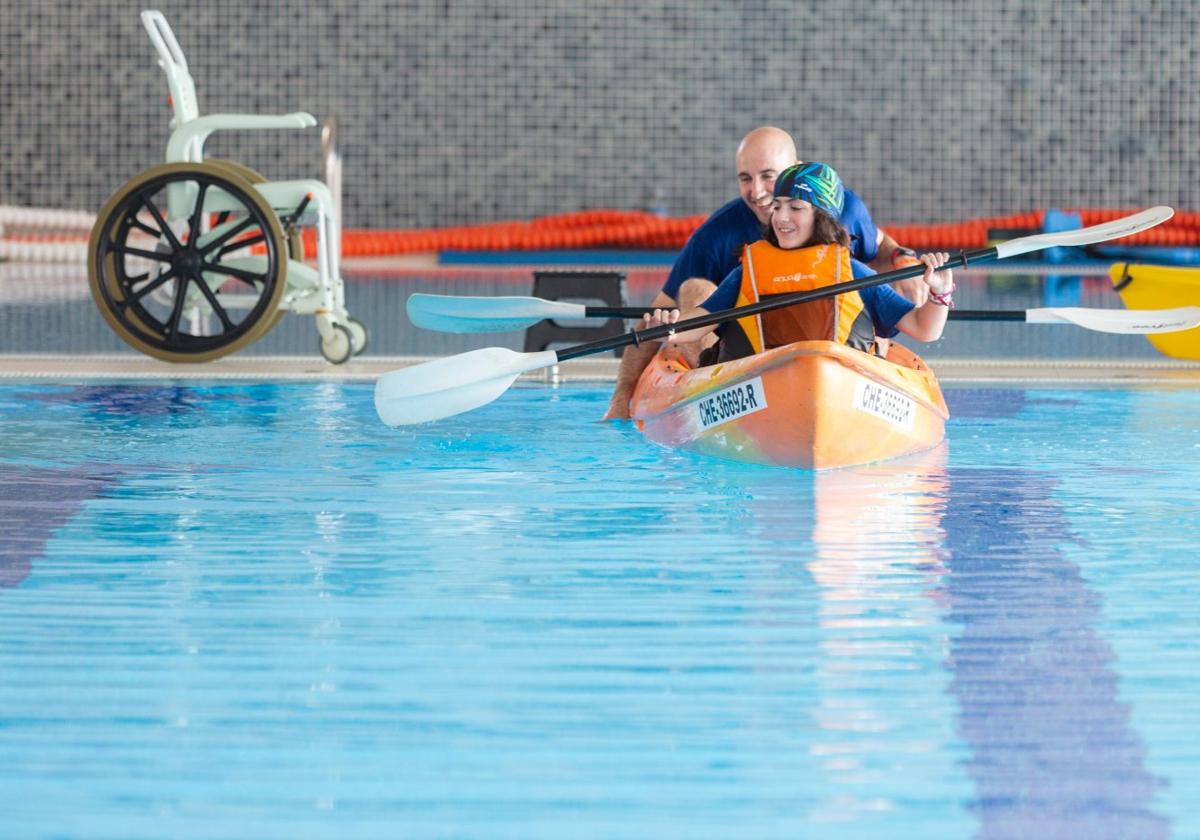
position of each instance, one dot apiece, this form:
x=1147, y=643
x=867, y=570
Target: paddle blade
x=1117, y=228
x=1122, y=321
x=446, y=313
x=449, y=386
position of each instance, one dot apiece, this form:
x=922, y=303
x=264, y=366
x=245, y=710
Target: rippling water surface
x=253, y=611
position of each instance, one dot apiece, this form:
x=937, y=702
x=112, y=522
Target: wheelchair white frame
x=318, y=292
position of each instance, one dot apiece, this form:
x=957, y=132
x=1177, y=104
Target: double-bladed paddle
x=465, y=314
x=454, y=384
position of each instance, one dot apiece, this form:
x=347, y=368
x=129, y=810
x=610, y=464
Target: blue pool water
x=252, y=610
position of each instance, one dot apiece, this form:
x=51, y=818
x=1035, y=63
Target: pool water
x=252, y=610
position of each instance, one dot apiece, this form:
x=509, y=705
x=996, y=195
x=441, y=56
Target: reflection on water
x=1051, y=749
x=877, y=564
x=33, y=503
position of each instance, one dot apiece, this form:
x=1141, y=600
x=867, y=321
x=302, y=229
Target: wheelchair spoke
x=172, y=324
x=136, y=297
x=239, y=273
x=242, y=243
x=215, y=304
x=227, y=235
x=140, y=225
x=161, y=256
x=164, y=228
x=197, y=214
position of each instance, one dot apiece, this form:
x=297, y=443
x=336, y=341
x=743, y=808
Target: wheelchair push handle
x=168, y=49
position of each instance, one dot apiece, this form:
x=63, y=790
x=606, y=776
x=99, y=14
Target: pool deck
x=301, y=368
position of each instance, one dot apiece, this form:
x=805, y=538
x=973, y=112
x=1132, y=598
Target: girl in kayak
x=807, y=248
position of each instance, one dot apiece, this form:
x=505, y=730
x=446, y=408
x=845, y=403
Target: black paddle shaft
x=636, y=313
x=960, y=260
x=633, y=312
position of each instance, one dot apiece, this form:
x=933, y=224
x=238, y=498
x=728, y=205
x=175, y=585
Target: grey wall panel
x=468, y=111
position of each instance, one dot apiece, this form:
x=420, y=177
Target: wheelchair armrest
x=191, y=135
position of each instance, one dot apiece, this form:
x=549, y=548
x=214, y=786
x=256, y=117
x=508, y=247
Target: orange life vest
x=768, y=271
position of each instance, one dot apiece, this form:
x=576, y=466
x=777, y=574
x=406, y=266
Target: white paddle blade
x=449, y=386
x=446, y=313
x=1121, y=321
x=1125, y=226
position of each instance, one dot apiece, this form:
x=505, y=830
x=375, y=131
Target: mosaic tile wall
x=455, y=111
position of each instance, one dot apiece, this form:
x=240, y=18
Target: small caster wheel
x=338, y=347
x=358, y=331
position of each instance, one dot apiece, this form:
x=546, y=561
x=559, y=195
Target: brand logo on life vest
x=737, y=401
x=892, y=406
x=798, y=277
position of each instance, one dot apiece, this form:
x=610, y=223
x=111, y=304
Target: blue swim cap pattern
x=816, y=183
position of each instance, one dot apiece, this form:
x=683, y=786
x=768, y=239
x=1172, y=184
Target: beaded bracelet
x=943, y=299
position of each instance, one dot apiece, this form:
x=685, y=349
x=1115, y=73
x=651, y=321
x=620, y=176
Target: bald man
x=715, y=248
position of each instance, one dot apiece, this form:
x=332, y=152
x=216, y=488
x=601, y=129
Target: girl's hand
x=659, y=318
x=940, y=283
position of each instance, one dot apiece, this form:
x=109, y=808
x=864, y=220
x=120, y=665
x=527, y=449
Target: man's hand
x=914, y=288
x=618, y=406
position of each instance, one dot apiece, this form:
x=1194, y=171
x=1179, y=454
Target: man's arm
x=634, y=360
x=890, y=256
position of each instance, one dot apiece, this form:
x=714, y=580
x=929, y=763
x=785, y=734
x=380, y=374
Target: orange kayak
x=812, y=404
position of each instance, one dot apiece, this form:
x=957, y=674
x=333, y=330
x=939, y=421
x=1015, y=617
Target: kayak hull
x=1161, y=287
x=812, y=404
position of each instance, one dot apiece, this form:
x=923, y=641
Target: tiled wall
x=456, y=111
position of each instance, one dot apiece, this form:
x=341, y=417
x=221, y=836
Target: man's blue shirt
x=715, y=248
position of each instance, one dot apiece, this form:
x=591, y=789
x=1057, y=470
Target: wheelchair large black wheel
x=187, y=262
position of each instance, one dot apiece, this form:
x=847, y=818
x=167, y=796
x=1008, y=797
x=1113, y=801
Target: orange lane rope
x=633, y=229
x=621, y=229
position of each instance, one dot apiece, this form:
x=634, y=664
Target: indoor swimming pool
x=310, y=525
x=251, y=609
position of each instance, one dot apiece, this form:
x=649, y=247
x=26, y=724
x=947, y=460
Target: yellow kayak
x=1161, y=287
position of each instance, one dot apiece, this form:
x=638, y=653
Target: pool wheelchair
x=196, y=258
